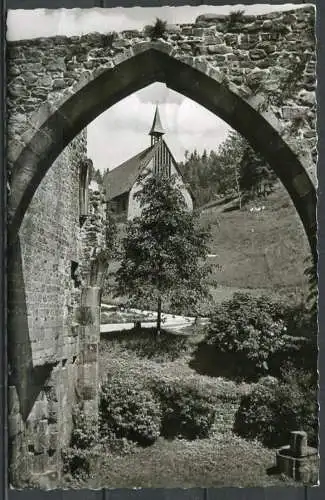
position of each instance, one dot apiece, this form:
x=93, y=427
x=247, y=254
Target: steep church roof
x=157, y=128
x=121, y=179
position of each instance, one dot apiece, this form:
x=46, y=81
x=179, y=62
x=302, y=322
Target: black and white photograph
x=162, y=247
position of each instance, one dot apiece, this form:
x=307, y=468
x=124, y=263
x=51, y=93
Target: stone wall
x=44, y=334
x=253, y=53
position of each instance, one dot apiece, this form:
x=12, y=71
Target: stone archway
x=56, y=87
x=147, y=62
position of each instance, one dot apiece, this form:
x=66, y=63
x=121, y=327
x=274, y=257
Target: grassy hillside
x=259, y=252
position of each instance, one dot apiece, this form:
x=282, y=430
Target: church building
x=122, y=182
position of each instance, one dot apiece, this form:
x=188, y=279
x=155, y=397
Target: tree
x=164, y=250
x=255, y=176
x=156, y=31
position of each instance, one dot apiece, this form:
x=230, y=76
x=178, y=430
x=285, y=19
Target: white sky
x=122, y=130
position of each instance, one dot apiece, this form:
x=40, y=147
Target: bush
x=259, y=333
x=272, y=410
x=76, y=462
x=236, y=16
x=188, y=412
x=76, y=459
x=156, y=31
x=84, y=435
x=129, y=411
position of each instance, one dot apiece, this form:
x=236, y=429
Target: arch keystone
x=141, y=47
x=162, y=46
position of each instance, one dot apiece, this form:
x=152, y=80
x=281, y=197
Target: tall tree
x=256, y=178
x=164, y=251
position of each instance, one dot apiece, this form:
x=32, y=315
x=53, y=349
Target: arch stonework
x=145, y=64
x=230, y=71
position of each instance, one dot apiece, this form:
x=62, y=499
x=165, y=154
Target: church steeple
x=156, y=131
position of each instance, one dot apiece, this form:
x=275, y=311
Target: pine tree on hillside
x=256, y=178
x=164, y=251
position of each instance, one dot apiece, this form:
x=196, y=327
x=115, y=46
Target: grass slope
x=263, y=250
x=256, y=252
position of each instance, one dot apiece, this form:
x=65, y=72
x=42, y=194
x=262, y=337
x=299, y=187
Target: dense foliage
x=188, y=412
x=164, y=251
x=235, y=168
x=273, y=410
x=129, y=411
x=262, y=334
x=156, y=31
x=84, y=438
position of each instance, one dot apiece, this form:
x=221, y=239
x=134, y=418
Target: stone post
x=89, y=319
x=298, y=443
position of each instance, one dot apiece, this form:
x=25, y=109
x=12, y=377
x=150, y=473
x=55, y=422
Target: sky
x=122, y=130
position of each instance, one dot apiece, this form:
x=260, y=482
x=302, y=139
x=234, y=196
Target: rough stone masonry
x=53, y=319
x=56, y=264
x=253, y=53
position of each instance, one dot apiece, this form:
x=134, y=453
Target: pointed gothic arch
x=148, y=62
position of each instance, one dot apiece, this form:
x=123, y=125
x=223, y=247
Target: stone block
x=298, y=443
x=39, y=463
x=53, y=411
x=40, y=410
x=294, y=112
x=15, y=425
x=219, y=49
x=257, y=54
x=13, y=400
x=42, y=438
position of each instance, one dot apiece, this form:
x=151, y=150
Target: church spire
x=156, y=130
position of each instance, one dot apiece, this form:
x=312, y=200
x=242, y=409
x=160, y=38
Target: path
x=171, y=322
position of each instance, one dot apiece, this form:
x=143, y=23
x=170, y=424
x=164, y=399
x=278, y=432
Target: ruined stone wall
x=253, y=53
x=93, y=238
x=44, y=333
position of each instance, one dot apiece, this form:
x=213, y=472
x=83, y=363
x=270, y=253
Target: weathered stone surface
x=219, y=49
x=257, y=54
x=59, y=84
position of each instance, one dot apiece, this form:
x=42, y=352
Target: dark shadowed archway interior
x=131, y=75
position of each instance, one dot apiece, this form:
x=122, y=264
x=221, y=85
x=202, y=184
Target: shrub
x=272, y=410
x=258, y=332
x=76, y=459
x=129, y=411
x=156, y=31
x=248, y=327
x=236, y=16
x=188, y=412
x=84, y=435
x=76, y=462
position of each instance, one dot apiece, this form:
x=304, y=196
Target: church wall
x=181, y=185
x=134, y=209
